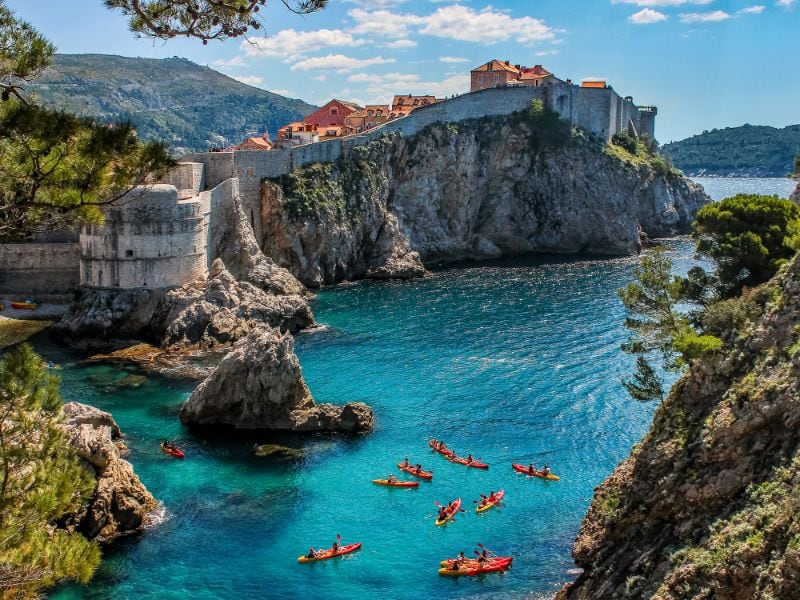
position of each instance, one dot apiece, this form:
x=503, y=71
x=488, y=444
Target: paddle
x=487, y=550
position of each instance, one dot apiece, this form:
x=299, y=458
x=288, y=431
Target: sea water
x=512, y=361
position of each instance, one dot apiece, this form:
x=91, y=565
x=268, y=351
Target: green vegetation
x=187, y=106
x=41, y=480
x=626, y=141
x=747, y=150
x=548, y=129
x=747, y=238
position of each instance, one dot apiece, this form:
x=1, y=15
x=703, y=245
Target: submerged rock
x=259, y=385
x=120, y=505
x=277, y=451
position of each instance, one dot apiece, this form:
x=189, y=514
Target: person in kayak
x=391, y=478
x=461, y=558
x=418, y=469
x=531, y=469
x=469, y=459
x=405, y=462
x=443, y=512
x=311, y=553
x=335, y=547
x=491, y=497
x=545, y=470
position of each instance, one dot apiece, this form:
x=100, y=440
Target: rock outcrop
x=120, y=505
x=259, y=385
x=707, y=506
x=207, y=313
x=471, y=190
x=795, y=197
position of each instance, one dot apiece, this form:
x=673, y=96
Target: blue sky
x=704, y=63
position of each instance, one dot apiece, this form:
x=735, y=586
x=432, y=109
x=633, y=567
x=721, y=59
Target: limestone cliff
x=708, y=505
x=796, y=194
x=476, y=189
x=259, y=385
x=120, y=505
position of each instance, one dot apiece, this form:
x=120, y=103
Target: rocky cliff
x=708, y=505
x=795, y=197
x=120, y=505
x=259, y=385
x=476, y=189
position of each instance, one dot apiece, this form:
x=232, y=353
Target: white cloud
x=655, y=3
x=546, y=53
x=283, y=92
x=236, y=61
x=400, y=44
x=486, y=27
x=253, y=80
x=707, y=17
x=377, y=3
x=452, y=59
x=293, y=43
x=787, y=4
x=456, y=22
x=752, y=10
x=339, y=63
x=647, y=16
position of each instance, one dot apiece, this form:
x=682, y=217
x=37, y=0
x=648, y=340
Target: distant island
x=746, y=151
x=188, y=106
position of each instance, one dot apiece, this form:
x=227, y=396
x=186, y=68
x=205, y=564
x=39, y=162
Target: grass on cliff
x=637, y=153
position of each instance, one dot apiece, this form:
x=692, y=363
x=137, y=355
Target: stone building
x=498, y=73
x=332, y=114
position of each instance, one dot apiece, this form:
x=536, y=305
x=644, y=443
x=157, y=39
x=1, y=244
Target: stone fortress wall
x=159, y=236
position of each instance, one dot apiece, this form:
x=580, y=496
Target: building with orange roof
x=498, y=73
x=256, y=143
x=408, y=103
x=332, y=114
x=368, y=117
x=297, y=134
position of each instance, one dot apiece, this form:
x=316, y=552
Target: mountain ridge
x=188, y=106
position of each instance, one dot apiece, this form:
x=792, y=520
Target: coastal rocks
x=277, y=451
x=470, y=190
x=259, y=385
x=795, y=197
x=120, y=505
x=706, y=506
x=205, y=313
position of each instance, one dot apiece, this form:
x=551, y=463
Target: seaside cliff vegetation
x=706, y=504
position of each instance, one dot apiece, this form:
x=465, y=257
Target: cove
x=512, y=361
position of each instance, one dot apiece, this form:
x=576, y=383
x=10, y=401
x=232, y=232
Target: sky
x=705, y=63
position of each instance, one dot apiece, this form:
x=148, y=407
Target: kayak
x=451, y=511
x=539, y=474
x=412, y=470
x=443, y=450
x=473, y=562
x=473, y=570
x=400, y=484
x=24, y=305
x=497, y=497
x=475, y=464
x=326, y=554
x=176, y=452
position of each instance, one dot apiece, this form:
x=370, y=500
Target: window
x=334, y=111
x=128, y=253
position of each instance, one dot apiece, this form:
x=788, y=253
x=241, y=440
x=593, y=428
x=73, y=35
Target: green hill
x=749, y=150
x=188, y=106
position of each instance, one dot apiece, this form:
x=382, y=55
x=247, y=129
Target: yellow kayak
x=326, y=554
x=497, y=497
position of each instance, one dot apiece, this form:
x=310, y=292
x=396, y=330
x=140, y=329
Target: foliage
x=57, y=169
x=748, y=150
x=41, y=479
x=547, y=127
x=187, y=106
x=748, y=237
x=203, y=19
x=645, y=385
x=24, y=53
x=625, y=140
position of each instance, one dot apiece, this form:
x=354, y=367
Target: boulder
x=120, y=505
x=259, y=385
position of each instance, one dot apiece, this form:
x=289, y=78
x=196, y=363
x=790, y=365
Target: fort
x=158, y=236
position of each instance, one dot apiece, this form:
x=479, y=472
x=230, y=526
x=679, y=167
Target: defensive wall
x=45, y=272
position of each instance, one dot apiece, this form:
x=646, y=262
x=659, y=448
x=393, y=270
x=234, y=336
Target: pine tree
x=41, y=479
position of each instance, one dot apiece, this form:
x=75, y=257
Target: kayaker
x=405, y=462
x=469, y=458
x=391, y=478
x=461, y=558
x=418, y=469
x=531, y=469
x=443, y=512
x=311, y=553
x=335, y=547
x=454, y=566
x=491, y=497
x=545, y=470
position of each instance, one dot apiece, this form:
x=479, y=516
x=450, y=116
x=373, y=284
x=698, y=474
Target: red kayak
x=450, y=512
x=540, y=474
x=442, y=449
x=475, y=464
x=473, y=568
x=174, y=451
x=412, y=470
x=326, y=554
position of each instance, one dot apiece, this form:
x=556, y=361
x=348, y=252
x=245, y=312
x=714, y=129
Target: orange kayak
x=450, y=512
x=539, y=474
x=326, y=554
x=498, y=496
x=475, y=464
x=400, y=484
x=412, y=470
x=441, y=449
x=176, y=452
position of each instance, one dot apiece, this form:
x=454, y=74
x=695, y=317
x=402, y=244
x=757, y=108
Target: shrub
x=626, y=141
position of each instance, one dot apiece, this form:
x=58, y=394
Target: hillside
x=746, y=151
x=188, y=106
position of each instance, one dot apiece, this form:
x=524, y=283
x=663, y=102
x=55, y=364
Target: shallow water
x=512, y=361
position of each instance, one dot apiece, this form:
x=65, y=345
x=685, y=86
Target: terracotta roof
x=258, y=141
x=350, y=105
x=497, y=65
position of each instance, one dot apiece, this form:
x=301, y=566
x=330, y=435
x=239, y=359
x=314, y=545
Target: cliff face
x=795, y=197
x=708, y=505
x=471, y=190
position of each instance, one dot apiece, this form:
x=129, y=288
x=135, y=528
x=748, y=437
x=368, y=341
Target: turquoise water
x=512, y=361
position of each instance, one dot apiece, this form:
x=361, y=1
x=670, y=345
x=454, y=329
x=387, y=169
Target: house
x=368, y=117
x=256, y=143
x=498, y=73
x=333, y=114
x=297, y=134
x=403, y=105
